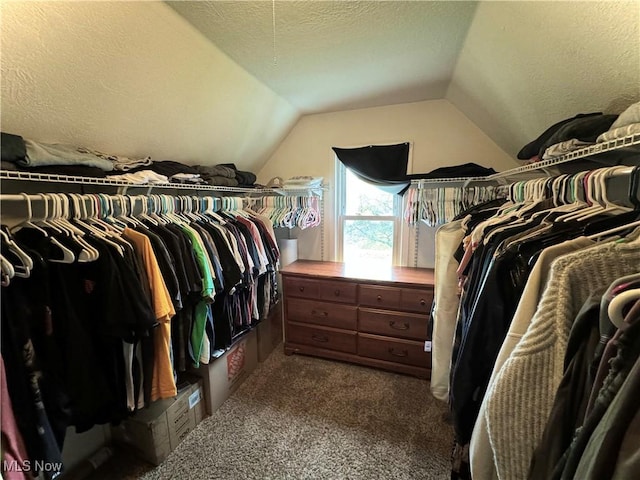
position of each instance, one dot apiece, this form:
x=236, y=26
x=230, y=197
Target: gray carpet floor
x=299, y=417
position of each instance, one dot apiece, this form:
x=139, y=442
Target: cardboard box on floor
x=270, y=332
x=225, y=374
x=156, y=431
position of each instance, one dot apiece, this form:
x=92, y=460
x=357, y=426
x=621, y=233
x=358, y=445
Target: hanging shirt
x=201, y=310
x=163, y=383
x=534, y=368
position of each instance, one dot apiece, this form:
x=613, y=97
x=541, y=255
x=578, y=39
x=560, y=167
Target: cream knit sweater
x=480, y=453
x=520, y=400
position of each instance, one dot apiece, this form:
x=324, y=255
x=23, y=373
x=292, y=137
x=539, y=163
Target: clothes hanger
x=213, y=211
x=617, y=306
x=603, y=205
x=67, y=255
x=83, y=219
x=584, y=183
x=534, y=195
x=24, y=263
x=116, y=225
x=167, y=212
x=160, y=206
x=107, y=236
x=90, y=253
x=612, y=231
x=28, y=223
x=183, y=210
x=197, y=204
x=7, y=272
x=145, y=213
x=126, y=212
x=87, y=252
x=593, y=195
x=46, y=220
x=192, y=213
x=88, y=221
x=571, y=199
x=7, y=268
x=103, y=221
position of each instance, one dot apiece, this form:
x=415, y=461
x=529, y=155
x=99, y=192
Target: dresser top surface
x=313, y=268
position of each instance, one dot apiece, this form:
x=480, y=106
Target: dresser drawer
x=329, y=338
x=342, y=292
x=322, y=313
x=416, y=300
x=380, y=297
x=300, y=287
x=409, y=352
x=393, y=324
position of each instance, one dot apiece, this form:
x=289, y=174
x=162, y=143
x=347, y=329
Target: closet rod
x=19, y=198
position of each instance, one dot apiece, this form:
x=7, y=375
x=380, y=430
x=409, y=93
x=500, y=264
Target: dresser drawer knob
x=337, y=292
x=423, y=302
x=404, y=326
x=302, y=289
x=379, y=298
x=319, y=338
x=402, y=353
x=319, y=314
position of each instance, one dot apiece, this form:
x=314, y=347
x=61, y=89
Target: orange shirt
x=163, y=383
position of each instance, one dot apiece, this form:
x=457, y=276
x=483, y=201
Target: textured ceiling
x=339, y=55
x=512, y=67
x=527, y=65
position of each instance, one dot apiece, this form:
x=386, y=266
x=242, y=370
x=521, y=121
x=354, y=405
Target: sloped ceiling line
x=513, y=68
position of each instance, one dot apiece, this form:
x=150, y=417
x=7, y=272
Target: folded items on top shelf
x=620, y=132
x=22, y=154
x=303, y=181
x=583, y=130
x=141, y=177
x=68, y=170
x=12, y=148
x=193, y=178
x=565, y=147
x=28, y=154
x=586, y=129
x=167, y=168
x=120, y=162
x=535, y=147
x=44, y=154
x=628, y=123
x=580, y=131
x=245, y=179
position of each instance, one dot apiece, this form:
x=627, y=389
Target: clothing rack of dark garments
x=519, y=312
x=125, y=293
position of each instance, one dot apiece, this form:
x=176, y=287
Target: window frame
x=342, y=217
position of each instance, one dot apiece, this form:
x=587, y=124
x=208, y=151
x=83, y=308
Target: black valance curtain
x=384, y=166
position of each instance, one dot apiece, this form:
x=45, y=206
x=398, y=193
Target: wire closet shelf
x=630, y=144
x=76, y=180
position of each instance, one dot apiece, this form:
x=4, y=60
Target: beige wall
x=441, y=136
x=132, y=78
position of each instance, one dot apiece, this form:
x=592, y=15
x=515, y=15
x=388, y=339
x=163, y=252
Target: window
x=368, y=226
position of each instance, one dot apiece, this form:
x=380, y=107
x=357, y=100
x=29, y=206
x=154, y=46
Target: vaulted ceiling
x=511, y=67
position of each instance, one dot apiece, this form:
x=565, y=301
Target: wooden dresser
x=376, y=318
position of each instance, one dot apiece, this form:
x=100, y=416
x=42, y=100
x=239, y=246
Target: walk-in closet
x=320, y=240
